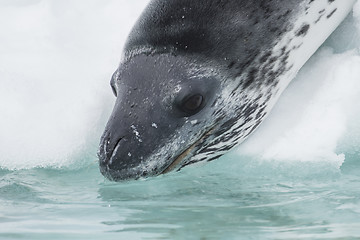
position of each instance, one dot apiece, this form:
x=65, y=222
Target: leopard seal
x=198, y=77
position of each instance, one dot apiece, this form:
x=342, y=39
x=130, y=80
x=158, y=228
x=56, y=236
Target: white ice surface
x=57, y=57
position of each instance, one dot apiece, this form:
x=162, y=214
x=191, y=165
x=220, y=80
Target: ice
x=56, y=61
x=320, y=110
x=57, y=58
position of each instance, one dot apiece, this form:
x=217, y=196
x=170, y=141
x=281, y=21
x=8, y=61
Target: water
x=296, y=178
x=221, y=200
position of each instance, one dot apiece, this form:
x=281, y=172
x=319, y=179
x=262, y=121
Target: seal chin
x=121, y=175
x=114, y=173
x=117, y=172
x=111, y=169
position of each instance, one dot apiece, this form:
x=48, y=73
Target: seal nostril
x=116, y=147
x=118, y=141
x=108, y=148
x=112, y=149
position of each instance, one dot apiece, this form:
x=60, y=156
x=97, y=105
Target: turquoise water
x=297, y=177
x=230, y=198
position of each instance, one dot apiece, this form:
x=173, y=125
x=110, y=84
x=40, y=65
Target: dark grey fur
x=221, y=49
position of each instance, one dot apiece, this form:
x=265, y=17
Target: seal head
x=156, y=116
x=198, y=77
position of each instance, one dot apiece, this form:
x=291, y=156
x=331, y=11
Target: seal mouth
x=110, y=170
x=178, y=160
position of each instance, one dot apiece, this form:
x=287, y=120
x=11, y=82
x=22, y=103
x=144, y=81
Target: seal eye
x=193, y=104
x=113, y=90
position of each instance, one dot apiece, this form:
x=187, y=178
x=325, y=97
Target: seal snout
x=113, y=164
x=109, y=147
x=124, y=152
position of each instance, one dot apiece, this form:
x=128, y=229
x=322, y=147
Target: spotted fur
x=244, y=53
